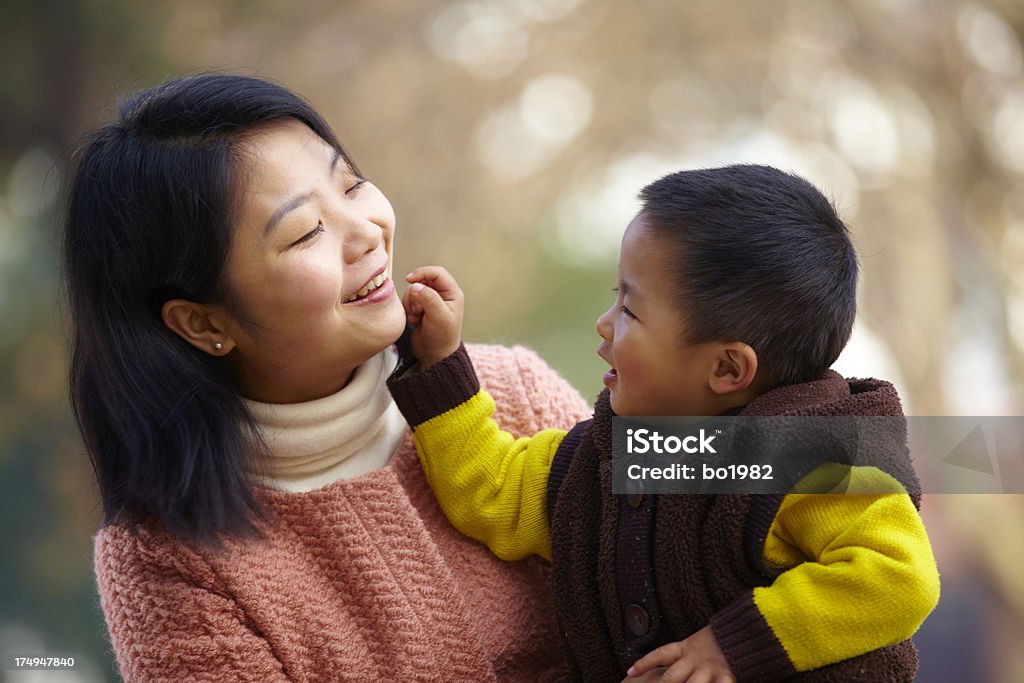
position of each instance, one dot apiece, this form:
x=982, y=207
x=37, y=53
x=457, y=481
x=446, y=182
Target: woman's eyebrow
x=335, y=158
x=298, y=200
x=293, y=203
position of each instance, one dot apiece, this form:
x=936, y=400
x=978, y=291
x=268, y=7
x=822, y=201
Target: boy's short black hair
x=761, y=257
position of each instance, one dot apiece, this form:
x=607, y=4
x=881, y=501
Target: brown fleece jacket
x=670, y=565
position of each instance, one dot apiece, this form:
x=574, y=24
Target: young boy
x=736, y=293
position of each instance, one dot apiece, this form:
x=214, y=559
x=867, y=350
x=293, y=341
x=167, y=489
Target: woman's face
x=309, y=269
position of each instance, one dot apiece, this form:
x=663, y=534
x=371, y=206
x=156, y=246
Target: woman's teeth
x=370, y=286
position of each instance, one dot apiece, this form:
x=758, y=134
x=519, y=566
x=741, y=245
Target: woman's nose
x=361, y=237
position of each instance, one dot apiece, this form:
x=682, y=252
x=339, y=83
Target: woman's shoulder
x=497, y=364
x=530, y=395
x=121, y=540
x=120, y=550
x=141, y=569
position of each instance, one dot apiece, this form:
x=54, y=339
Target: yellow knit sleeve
x=859, y=574
x=492, y=486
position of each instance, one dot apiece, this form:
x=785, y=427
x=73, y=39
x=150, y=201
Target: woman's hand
x=697, y=658
x=433, y=306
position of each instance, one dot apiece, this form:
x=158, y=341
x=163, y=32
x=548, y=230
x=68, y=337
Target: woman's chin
x=393, y=324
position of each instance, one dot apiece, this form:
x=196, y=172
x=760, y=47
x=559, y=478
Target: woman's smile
x=378, y=289
x=316, y=311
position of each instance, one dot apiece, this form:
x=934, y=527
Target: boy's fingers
x=683, y=672
x=438, y=279
x=413, y=309
x=665, y=655
x=652, y=676
x=423, y=273
x=428, y=300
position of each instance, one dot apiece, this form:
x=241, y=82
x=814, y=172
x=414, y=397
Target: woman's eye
x=309, y=235
x=355, y=187
x=629, y=313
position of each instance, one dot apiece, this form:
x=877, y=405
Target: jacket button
x=634, y=494
x=637, y=620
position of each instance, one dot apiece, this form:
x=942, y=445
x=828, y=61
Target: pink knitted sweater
x=362, y=580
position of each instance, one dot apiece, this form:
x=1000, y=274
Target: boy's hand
x=433, y=306
x=652, y=676
x=697, y=658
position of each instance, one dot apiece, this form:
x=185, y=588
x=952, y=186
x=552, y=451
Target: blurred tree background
x=512, y=137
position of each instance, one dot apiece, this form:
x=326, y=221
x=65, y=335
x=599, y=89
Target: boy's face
x=653, y=372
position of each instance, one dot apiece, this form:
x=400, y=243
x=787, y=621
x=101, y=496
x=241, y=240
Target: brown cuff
x=753, y=651
x=428, y=393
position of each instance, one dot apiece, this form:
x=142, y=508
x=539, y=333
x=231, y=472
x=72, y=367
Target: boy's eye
x=622, y=307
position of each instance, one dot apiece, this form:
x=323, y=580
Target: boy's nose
x=603, y=326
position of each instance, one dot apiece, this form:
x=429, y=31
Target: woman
x=228, y=270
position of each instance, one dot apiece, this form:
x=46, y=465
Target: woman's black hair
x=762, y=257
x=149, y=217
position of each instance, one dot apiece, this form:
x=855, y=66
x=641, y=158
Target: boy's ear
x=735, y=368
x=198, y=324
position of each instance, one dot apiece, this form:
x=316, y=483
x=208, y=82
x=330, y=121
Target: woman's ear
x=198, y=324
x=735, y=368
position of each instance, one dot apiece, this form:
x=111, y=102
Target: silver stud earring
x=218, y=345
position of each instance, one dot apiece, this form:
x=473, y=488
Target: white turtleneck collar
x=341, y=436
